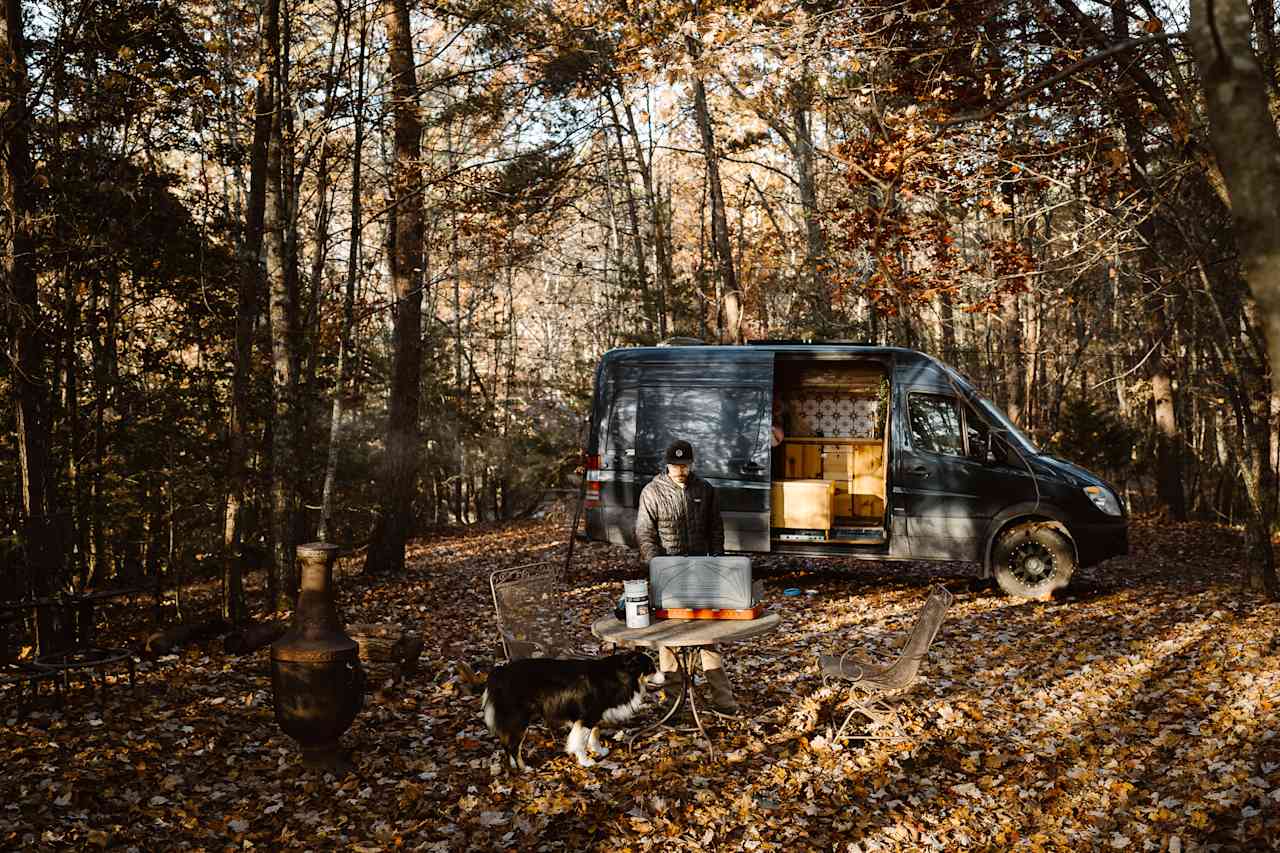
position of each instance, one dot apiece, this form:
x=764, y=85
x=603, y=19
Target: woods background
x=290, y=270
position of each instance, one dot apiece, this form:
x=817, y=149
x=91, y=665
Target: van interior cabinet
x=804, y=461
x=803, y=504
x=867, y=481
x=854, y=470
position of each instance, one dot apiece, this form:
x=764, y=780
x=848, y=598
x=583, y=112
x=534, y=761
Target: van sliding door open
x=829, y=483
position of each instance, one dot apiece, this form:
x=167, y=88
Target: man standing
x=679, y=515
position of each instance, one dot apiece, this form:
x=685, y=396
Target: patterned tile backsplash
x=831, y=414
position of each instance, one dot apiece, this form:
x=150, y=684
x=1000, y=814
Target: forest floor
x=1136, y=712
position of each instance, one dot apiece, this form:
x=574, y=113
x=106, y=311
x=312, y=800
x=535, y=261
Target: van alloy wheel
x=1031, y=563
x=1032, y=559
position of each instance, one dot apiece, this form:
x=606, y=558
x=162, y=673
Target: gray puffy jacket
x=675, y=521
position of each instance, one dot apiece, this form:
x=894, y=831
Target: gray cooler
x=720, y=583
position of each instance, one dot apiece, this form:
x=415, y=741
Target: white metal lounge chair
x=872, y=687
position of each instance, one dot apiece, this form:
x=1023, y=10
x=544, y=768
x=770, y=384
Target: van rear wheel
x=1032, y=559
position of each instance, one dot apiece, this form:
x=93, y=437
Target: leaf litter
x=1138, y=711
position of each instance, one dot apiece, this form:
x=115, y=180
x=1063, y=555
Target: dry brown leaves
x=1136, y=713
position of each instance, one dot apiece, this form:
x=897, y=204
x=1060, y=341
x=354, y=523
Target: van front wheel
x=1031, y=560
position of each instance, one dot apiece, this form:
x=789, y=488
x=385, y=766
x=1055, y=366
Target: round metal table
x=684, y=637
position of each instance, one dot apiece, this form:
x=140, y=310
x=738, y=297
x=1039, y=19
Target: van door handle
x=920, y=471
x=751, y=468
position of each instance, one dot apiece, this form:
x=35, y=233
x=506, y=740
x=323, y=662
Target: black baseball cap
x=680, y=453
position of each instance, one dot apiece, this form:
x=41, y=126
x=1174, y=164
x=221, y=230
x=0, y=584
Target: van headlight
x=1103, y=500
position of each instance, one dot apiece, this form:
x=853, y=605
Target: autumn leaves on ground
x=1137, y=712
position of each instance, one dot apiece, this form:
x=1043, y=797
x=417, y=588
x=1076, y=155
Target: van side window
x=726, y=426
x=935, y=424
x=621, y=435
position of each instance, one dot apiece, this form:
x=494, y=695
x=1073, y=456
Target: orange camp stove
x=710, y=612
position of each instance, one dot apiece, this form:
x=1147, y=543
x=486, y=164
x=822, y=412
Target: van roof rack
x=810, y=341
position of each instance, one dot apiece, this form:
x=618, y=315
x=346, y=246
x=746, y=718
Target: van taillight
x=593, y=480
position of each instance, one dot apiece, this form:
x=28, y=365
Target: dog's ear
x=641, y=663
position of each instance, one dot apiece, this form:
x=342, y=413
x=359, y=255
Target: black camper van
x=881, y=453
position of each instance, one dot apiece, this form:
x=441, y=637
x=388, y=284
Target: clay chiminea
x=315, y=667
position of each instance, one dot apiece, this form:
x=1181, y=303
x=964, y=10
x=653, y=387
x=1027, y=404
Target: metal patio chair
x=873, y=688
x=529, y=602
x=22, y=676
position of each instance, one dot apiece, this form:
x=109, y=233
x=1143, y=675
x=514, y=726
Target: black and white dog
x=581, y=692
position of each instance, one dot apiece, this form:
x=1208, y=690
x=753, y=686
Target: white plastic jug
x=636, y=594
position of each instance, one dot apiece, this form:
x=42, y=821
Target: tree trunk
x=325, y=195
x=1011, y=317
x=349, y=299
x=947, y=323
x=815, y=244
x=1260, y=483
x=103, y=351
x=648, y=306
x=1247, y=147
x=1169, y=485
x=1014, y=374
x=32, y=403
x=719, y=222
x=79, y=565
x=1031, y=360
x=661, y=246
x=400, y=459
x=234, y=607
x=282, y=579
x=319, y=256
x=1273, y=453
x=1244, y=139
x=1169, y=473
x=1265, y=36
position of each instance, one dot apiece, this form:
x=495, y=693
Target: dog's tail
x=478, y=685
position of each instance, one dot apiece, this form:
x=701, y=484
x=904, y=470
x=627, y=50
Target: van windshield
x=1000, y=421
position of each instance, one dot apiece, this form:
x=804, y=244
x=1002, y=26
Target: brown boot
x=722, y=701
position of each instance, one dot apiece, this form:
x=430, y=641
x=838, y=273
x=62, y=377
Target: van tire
x=1032, y=559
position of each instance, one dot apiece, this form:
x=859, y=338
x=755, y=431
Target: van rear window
x=621, y=434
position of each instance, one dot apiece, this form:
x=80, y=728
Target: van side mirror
x=979, y=451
